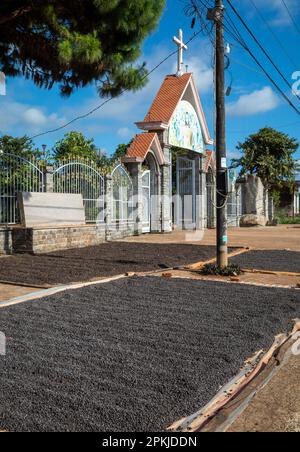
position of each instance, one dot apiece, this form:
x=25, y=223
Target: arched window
x=122, y=194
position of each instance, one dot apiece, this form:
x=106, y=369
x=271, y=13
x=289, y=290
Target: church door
x=146, y=203
x=186, y=193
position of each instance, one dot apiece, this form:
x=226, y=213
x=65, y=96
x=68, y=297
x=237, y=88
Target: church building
x=173, y=159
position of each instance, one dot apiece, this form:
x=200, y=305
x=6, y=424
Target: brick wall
x=120, y=231
x=45, y=240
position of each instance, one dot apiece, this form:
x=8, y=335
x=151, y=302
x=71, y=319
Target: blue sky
x=253, y=104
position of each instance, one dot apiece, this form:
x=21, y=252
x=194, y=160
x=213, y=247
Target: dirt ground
x=272, y=238
x=8, y=291
x=276, y=408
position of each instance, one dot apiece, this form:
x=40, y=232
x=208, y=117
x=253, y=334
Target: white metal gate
x=17, y=174
x=122, y=196
x=79, y=177
x=186, y=193
x=234, y=207
x=146, y=202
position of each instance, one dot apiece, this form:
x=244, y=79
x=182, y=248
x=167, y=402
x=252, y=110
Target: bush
x=284, y=218
x=213, y=269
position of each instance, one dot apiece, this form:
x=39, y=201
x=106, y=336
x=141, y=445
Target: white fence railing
x=20, y=174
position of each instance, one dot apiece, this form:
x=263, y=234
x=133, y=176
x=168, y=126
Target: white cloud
x=233, y=155
x=203, y=73
x=260, y=101
x=280, y=16
x=125, y=132
x=25, y=119
x=200, y=63
x=34, y=117
x=132, y=107
x=117, y=116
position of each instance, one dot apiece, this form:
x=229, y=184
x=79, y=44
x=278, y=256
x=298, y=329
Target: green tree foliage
x=120, y=152
x=23, y=146
x=75, y=42
x=107, y=163
x=75, y=144
x=270, y=155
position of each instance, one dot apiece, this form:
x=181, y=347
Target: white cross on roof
x=181, y=47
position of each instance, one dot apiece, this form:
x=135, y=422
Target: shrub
x=213, y=269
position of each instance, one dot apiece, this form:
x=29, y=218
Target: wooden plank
x=199, y=265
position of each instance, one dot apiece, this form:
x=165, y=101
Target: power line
x=247, y=67
x=274, y=34
x=291, y=16
x=273, y=81
x=262, y=48
x=242, y=42
x=91, y=112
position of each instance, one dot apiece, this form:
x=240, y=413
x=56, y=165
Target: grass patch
x=283, y=217
x=289, y=220
x=213, y=269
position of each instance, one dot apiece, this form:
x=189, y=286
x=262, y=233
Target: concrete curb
x=54, y=290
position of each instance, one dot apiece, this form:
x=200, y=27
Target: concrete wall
x=5, y=241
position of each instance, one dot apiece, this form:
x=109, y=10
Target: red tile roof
x=141, y=145
x=167, y=98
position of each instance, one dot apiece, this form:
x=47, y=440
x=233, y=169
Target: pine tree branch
x=14, y=14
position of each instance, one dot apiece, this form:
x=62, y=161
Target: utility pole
x=221, y=152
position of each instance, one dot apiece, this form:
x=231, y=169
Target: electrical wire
x=262, y=48
x=274, y=35
x=237, y=37
x=291, y=16
x=247, y=67
x=91, y=112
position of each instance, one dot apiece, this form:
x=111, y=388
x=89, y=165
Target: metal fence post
x=108, y=207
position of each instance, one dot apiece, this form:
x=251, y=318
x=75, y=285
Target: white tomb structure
x=51, y=209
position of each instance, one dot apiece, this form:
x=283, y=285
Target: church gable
x=177, y=107
x=142, y=144
x=185, y=129
x=167, y=99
